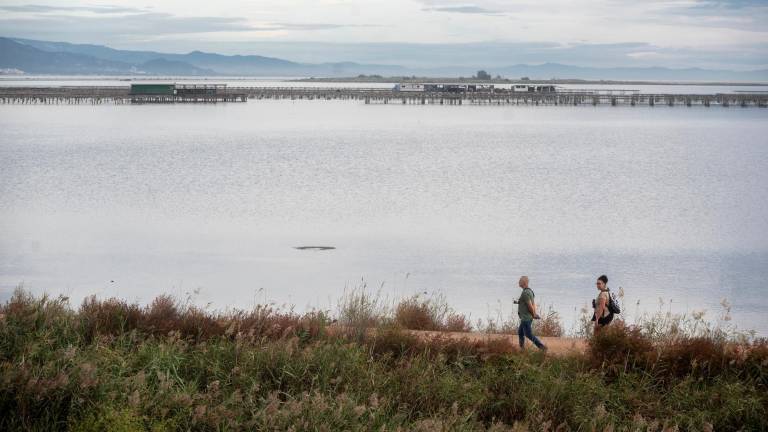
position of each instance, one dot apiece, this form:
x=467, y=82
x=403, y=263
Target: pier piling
x=369, y=96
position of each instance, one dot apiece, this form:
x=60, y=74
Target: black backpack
x=613, y=305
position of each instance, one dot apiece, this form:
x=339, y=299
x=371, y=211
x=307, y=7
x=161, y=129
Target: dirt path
x=556, y=345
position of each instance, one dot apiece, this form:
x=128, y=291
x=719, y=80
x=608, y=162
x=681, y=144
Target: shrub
x=455, y=322
x=755, y=364
x=620, y=346
x=394, y=342
x=696, y=355
x=162, y=316
x=431, y=313
x=415, y=314
x=358, y=310
x=549, y=325
x=108, y=317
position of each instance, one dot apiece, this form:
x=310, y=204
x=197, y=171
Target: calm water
x=669, y=202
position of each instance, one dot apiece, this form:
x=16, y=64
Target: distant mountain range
x=43, y=57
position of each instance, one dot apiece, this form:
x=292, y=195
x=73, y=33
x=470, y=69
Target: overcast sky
x=722, y=34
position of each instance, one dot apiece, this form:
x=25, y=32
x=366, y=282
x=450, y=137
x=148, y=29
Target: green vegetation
x=111, y=365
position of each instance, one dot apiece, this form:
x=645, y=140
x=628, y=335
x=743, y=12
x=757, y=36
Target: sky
x=715, y=34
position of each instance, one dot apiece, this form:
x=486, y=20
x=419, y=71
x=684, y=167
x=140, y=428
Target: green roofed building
x=153, y=89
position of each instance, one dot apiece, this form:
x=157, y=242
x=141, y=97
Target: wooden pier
x=122, y=95
x=108, y=95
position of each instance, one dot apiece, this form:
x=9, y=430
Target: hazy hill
x=30, y=59
x=14, y=55
x=45, y=57
x=215, y=64
x=555, y=70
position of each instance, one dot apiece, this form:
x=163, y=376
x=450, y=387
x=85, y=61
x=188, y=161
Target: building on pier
x=200, y=89
x=444, y=88
x=153, y=89
x=472, y=88
x=525, y=88
x=181, y=90
x=187, y=93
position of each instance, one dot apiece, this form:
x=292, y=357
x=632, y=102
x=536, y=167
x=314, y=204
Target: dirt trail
x=556, y=345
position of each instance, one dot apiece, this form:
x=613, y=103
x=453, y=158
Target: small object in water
x=111, y=281
x=314, y=247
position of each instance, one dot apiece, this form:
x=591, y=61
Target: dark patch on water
x=321, y=248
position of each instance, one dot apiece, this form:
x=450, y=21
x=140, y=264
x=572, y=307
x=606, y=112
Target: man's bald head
x=523, y=282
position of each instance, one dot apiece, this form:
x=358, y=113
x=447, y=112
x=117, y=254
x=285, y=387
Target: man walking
x=526, y=310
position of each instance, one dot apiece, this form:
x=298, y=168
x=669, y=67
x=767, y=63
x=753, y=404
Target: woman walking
x=603, y=315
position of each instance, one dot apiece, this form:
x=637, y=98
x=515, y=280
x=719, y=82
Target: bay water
x=211, y=201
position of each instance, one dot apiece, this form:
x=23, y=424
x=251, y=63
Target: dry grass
x=395, y=342
x=619, y=348
x=359, y=310
x=431, y=313
x=112, y=365
x=166, y=315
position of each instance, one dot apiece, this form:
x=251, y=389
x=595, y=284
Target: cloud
x=732, y=4
x=740, y=15
x=110, y=21
x=104, y=9
x=316, y=26
x=646, y=55
x=471, y=9
x=147, y=23
x=486, y=33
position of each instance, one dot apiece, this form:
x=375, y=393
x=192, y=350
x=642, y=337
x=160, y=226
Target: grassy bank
x=111, y=365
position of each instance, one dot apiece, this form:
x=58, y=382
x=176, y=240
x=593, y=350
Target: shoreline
x=373, y=80
x=453, y=80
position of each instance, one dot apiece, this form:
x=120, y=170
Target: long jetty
x=121, y=95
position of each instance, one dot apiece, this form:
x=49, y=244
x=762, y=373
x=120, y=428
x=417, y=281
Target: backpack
x=613, y=305
x=533, y=295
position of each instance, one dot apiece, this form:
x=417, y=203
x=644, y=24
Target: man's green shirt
x=522, y=305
